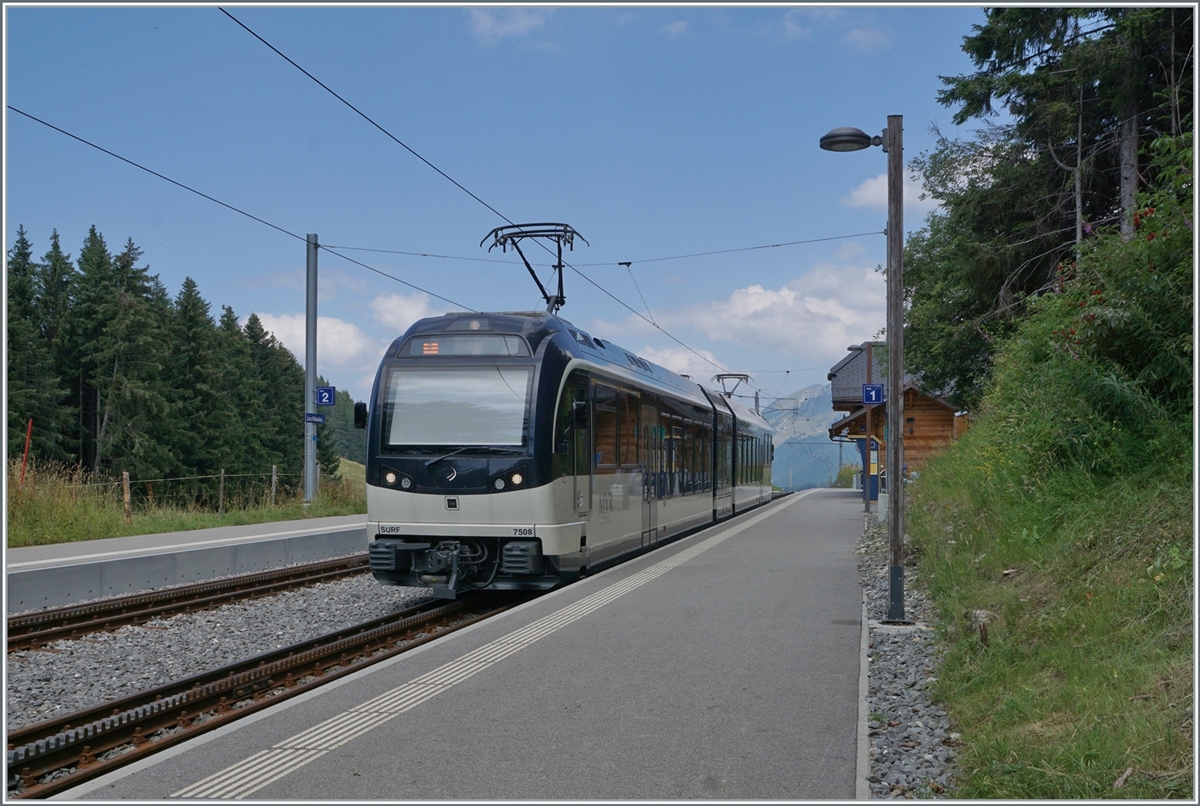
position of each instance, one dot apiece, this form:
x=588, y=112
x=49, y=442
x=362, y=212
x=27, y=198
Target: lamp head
x=848, y=138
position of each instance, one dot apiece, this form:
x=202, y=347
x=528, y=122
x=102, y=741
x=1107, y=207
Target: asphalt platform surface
x=723, y=666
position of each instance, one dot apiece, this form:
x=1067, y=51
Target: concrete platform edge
x=60, y=585
x=862, y=789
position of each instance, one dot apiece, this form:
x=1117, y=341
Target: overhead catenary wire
x=464, y=189
x=622, y=263
x=155, y=173
x=229, y=206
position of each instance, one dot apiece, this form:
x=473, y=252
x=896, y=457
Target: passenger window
x=628, y=428
x=605, y=437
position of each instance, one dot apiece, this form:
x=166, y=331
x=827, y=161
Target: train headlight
x=517, y=478
x=405, y=483
x=498, y=484
x=390, y=477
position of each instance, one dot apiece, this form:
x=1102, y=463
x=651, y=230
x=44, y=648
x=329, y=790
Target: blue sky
x=655, y=132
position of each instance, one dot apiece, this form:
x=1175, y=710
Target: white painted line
x=349, y=724
x=259, y=538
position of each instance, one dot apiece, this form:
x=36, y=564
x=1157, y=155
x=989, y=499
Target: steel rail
x=50, y=756
x=33, y=630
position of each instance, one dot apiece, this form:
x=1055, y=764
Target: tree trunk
x=102, y=427
x=1129, y=153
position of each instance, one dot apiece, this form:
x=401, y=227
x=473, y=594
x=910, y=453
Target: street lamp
x=848, y=138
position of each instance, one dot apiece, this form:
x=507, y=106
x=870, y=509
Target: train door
x=649, y=449
x=571, y=463
x=575, y=412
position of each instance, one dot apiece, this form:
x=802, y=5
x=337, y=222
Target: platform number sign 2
x=872, y=393
x=326, y=395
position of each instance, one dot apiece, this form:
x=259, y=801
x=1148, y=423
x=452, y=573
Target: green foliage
x=845, y=477
x=33, y=385
x=1086, y=89
x=1112, y=349
x=970, y=271
x=1067, y=513
x=118, y=376
x=351, y=441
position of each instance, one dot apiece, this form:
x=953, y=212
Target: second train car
x=514, y=451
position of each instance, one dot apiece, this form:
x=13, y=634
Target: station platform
x=726, y=665
x=66, y=573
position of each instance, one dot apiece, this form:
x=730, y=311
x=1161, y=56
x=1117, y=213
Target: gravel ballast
x=72, y=675
x=912, y=746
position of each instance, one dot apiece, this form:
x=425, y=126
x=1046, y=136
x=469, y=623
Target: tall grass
x=58, y=504
x=1086, y=669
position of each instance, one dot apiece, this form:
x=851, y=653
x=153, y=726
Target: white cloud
x=792, y=28
x=866, y=39
x=676, y=29
x=346, y=356
x=813, y=317
x=799, y=23
x=397, y=312
x=683, y=361
x=339, y=343
x=872, y=194
x=490, y=27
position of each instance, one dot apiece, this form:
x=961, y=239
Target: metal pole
x=310, y=375
x=895, y=388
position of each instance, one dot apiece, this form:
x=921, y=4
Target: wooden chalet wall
x=929, y=426
x=930, y=423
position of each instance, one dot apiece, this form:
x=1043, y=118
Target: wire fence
x=216, y=492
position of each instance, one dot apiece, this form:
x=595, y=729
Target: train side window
x=628, y=426
x=605, y=437
x=689, y=457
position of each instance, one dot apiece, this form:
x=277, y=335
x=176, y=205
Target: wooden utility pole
x=895, y=387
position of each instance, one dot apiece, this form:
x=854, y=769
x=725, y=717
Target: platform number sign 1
x=326, y=395
x=872, y=393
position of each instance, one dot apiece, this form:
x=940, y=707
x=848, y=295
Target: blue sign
x=326, y=395
x=872, y=393
x=309, y=417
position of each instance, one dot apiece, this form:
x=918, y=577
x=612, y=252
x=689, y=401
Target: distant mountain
x=805, y=457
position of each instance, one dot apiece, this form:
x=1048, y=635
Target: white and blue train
x=513, y=451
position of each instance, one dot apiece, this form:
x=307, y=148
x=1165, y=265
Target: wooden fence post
x=25, y=459
x=274, y=482
x=221, y=495
x=128, y=503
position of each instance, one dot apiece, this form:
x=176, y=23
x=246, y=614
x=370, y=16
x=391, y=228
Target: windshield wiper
x=434, y=461
x=475, y=449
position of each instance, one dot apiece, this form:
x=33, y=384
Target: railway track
x=48, y=757
x=34, y=630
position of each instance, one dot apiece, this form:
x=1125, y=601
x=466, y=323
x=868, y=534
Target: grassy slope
x=1064, y=520
x=1087, y=668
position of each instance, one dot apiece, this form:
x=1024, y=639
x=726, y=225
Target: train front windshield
x=457, y=406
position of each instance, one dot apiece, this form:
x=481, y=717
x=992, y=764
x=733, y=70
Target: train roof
x=536, y=325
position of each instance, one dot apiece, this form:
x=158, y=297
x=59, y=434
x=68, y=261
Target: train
x=516, y=451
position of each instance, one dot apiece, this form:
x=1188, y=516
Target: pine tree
x=240, y=444
x=201, y=412
x=34, y=388
x=351, y=441
x=328, y=457
x=90, y=289
x=129, y=355
x=280, y=414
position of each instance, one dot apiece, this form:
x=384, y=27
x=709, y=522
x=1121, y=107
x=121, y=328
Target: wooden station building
x=930, y=422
